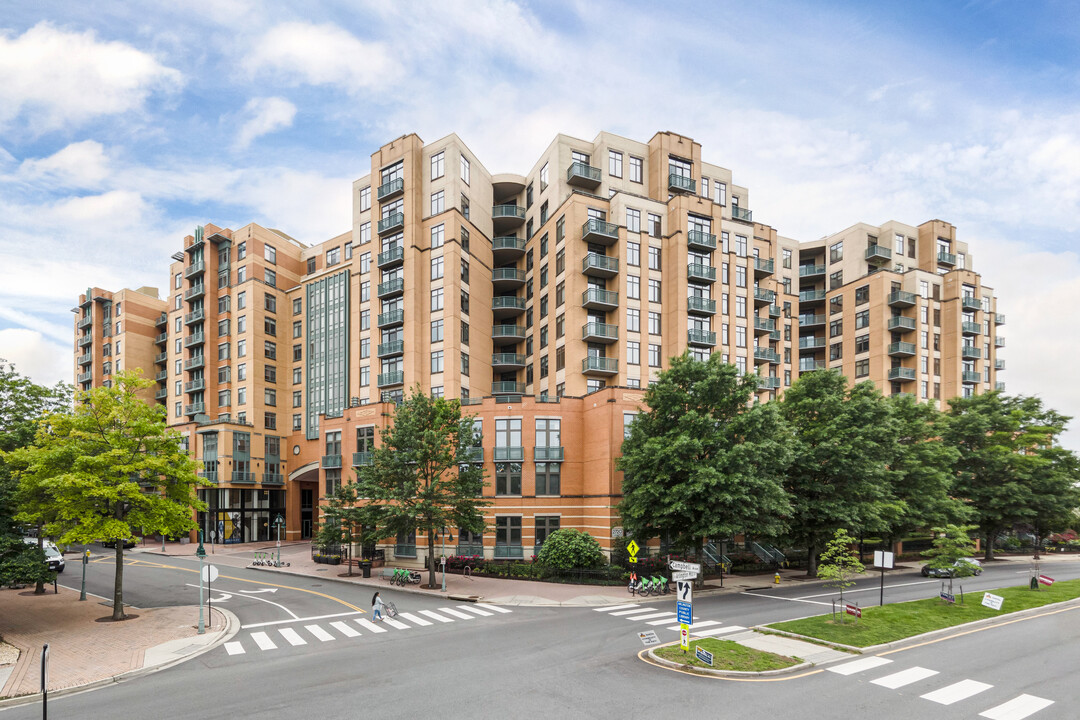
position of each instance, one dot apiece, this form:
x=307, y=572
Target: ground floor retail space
x=238, y=515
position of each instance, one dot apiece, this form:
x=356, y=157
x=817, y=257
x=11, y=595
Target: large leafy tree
x=420, y=478
x=703, y=460
x=109, y=468
x=1011, y=468
x=842, y=440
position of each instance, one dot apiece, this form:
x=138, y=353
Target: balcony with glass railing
x=812, y=343
x=701, y=273
x=394, y=347
x=394, y=255
x=766, y=355
x=810, y=365
x=194, y=339
x=330, y=461
x=763, y=267
x=595, y=365
x=970, y=303
x=901, y=349
x=700, y=338
x=391, y=378
x=474, y=455
x=701, y=305
x=502, y=334
x=509, y=552
x=741, y=213
x=361, y=458
x=507, y=305
x=390, y=189
x=508, y=361
x=681, y=183
x=878, y=255
x=970, y=328
x=391, y=317
x=701, y=240
x=392, y=222
x=583, y=175
x=599, y=299
x=946, y=258
x=811, y=271
x=508, y=453
x=999, y=364
x=195, y=292
x=243, y=477
x=507, y=217
x=194, y=268
x=901, y=324
x=599, y=332
x=970, y=352
x=999, y=318
x=970, y=377
x=507, y=248
x=194, y=316
x=550, y=453
x=595, y=230
x=901, y=374
x=195, y=363
x=774, y=310
x=597, y=265
x=768, y=383
x=811, y=320
x=999, y=386
x=507, y=387
x=999, y=341
x=811, y=296
x=901, y=298
x=507, y=278
x=763, y=326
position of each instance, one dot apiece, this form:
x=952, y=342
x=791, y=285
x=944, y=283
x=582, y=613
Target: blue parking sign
x=686, y=611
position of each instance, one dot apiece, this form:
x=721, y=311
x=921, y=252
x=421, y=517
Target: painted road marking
x=457, y=613
x=304, y=619
x=478, y=611
x=904, y=677
x=234, y=648
x=344, y=629
x=652, y=616
x=638, y=609
x=263, y=641
x=395, y=624
x=868, y=589
x=716, y=631
x=368, y=625
x=292, y=636
x=496, y=608
x=319, y=633
x=435, y=616
x=956, y=692
x=610, y=608
x=1017, y=708
x=699, y=625
x=859, y=665
x=413, y=619
x=665, y=621
x=785, y=599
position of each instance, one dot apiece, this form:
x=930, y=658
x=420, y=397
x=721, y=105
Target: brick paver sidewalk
x=81, y=649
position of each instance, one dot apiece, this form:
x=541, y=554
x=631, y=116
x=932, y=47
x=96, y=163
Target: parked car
x=128, y=543
x=53, y=556
x=948, y=572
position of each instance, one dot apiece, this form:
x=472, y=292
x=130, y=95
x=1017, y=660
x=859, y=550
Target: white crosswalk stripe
x=234, y=648
x=496, y=608
x=395, y=624
x=639, y=610
x=652, y=616
x=436, y=616
x=292, y=636
x=858, y=666
x=904, y=677
x=413, y=619
x=344, y=629
x=368, y=625
x=1018, y=708
x=698, y=625
x=611, y=608
x=665, y=621
x=263, y=641
x=708, y=632
x=956, y=692
x=457, y=613
x=474, y=609
x=319, y=633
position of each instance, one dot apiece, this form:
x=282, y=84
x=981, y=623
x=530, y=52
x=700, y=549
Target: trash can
x=365, y=568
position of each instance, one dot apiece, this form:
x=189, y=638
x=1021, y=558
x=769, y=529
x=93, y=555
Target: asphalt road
x=576, y=662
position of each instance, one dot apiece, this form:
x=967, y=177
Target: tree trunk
x=431, y=558
x=988, y=536
x=1038, y=540
x=811, y=559
x=118, y=583
x=348, y=558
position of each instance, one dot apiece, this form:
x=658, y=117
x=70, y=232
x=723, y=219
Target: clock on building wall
x=295, y=449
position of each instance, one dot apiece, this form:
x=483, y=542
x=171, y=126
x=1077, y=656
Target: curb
x=724, y=673
x=231, y=629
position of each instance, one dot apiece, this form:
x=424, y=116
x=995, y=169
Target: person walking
x=377, y=606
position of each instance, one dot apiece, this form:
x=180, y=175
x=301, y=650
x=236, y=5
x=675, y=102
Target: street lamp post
x=444, y=534
x=85, y=560
x=279, y=522
x=201, y=554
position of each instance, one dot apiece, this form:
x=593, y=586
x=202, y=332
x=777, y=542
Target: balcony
x=507, y=249
x=85, y=340
x=763, y=267
x=774, y=336
x=811, y=271
x=999, y=318
x=774, y=310
x=902, y=374
x=898, y=323
x=195, y=386
x=811, y=320
x=86, y=359
x=812, y=343
x=273, y=479
x=548, y=454
x=681, y=183
x=768, y=383
x=195, y=363
x=507, y=217
x=763, y=326
x=243, y=477
x=194, y=339
x=507, y=387
x=509, y=453
x=330, y=461
x=391, y=317
x=393, y=256
x=195, y=292
x=507, y=278
x=194, y=316
x=902, y=349
x=394, y=347
x=161, y=376
x=703, y=241
x=85, y=377
x=701, y=305
x=390, y=189
x=999, y=341
x=391, y=288
x=475, y=456
x=163, y=319
x=810, y=296
x=598, y=231
x=946, y=258
x=970, y=352
x=195, y=408
x=810, y=365
x=700, y=338
x=161, y=394
x=766, y=355
x=765, y=297
x=583, y=175
x=999, y=386
x=391, y=378
x=970, y=377
x=361, y=458
x=195, y=268
x=878, y=255
x=86, y=322
x=738, y=213
x=602, y=266
x=509, y=552
x=599, y=332
x=596, y=365
x=700, y=273
x=504, y=334
x=599, y=299
x=502, y=362
x=999, y=364
x=162, y=338
x=392, y=222
x=970, y=303
x=504, y=306
x=970, y=328
x=901, y=299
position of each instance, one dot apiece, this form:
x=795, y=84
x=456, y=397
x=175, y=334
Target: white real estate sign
x=992, y=601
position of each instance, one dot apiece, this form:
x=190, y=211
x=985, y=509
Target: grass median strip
x=727, y=655
x=903, y=620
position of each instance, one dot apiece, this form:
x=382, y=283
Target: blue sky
x=124, y=125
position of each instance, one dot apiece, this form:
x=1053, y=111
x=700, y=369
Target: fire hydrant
x=776, y=578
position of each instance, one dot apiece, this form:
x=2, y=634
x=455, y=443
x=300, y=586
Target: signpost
x=883, y=560
x=45, y=681
x=685, y=611
x=703, y=655
x=683, y=575
x=85, y=560
x=992, y=601
x=201, y=554
x=648, y=638
x=686, y=566
x=684, y=636
x=209, y=574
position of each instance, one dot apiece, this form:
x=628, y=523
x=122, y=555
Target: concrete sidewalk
x=87, y=649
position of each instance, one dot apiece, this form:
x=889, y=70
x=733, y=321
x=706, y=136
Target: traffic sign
x=686, y=612
x=691, y=567
x=992, y=601
x=648, y=638
x=703, y=655
x=684, y=636
x=209, y=573
x=632, y=548
x=683, y=575
x=684, y=591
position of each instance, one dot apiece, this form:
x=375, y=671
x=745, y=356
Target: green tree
x=420, y=478
x=951, y=548
x=1011, y=468
x=703, y=461
x=842, y=441
x=341, y=520
x=569, y=549
x=839, y=566
x=109, y=468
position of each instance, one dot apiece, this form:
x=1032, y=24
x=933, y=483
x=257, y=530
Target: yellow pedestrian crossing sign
x=632, y=548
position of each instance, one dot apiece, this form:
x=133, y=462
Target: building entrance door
x=307, y=501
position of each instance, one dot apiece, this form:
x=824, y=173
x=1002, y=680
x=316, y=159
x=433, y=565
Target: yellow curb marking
x=146, y=563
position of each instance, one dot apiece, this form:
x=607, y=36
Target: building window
x=633, y=287
x=437, y=166
x=862, y=319
x=862, y=368
x=333, y=256
x=465, y=169
x=836, y=328
x=633, y=254
x=437, y=361
x=365, y=198
x=438, y=236
x=437, y=299
x=654, y=225
x=270, y=302
x=614, y=163
x=862, y=294
x=862, y=344
x=437, y=202
x=436, y=330
x=633, y=220
x=654, y=258
x=633, y=320
x=269, y=350
x=654, y=356
x=436, y=268
x=310, y=265
x=507, y=536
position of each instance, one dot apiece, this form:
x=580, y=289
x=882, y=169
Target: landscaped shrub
x=569, y=549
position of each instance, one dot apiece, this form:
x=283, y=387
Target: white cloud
x=80, y=165
x=43, y=361
x=265, y=115
x=58, y=78
x=60, y=333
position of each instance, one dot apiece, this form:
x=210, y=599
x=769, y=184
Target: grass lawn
x=902, y=620
x=727, y=655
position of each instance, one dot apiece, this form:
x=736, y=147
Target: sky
x=125, y=125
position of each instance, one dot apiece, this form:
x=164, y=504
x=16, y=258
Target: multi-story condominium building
x=545, y=302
